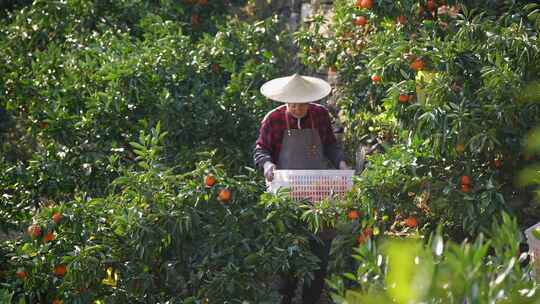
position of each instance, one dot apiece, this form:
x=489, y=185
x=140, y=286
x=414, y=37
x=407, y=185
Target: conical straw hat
x=296, y=89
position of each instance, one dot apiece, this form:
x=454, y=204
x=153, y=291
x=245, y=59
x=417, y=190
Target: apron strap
x=287, y=122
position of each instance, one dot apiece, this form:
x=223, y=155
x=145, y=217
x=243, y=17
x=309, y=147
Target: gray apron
x=301, y=149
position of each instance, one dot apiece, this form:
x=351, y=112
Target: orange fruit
x=21, y=274
x=460, y=148
x=360, y=21
x=403, y=98
x=367, y=4
x=376, y=78
x=465, y=188
x=353, y=214
x=368, y=231
x=431, y=5
x=401, y=19
x=209, y=180
x=224, y=195
x=411, y=222
x=57, y=217
x=60, y=270
x=48, y=237
x=465, y=180
x=361, y=239
x=195, y=20
x=34, y=231
x=417, y=64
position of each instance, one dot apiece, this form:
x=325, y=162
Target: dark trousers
x=311, y=292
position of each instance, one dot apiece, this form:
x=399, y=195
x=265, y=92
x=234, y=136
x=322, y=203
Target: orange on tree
x=465, y=180
x=375, y=78
x=361, y=239
x=360, y=21
x=353, y=215
x=368, y=231
x=460, y=148
x=49, y=236
x=209, y=180
x=367, y=4
x=465, y=188
x=411, y=222
x=403, y=98
x=401, y=19
x=195, y=20
x=57, y=217
x=60, y=270
x=417, y=64
x=21, y=274
x=431, y=5
x=34, y=231
x=224, y=195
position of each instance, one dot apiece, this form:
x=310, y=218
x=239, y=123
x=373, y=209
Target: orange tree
x=80, y=78
x=439, y=84
x=157, y=236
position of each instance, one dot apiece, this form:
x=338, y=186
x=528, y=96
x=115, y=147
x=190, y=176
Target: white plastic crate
x=313, y=185
x=534, y=249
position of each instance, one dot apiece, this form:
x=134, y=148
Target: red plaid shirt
x=274, y=126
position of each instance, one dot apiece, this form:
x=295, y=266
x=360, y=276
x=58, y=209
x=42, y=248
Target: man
x=298, y=135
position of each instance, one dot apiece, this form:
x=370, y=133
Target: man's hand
x=269, y=170
x=343, y=166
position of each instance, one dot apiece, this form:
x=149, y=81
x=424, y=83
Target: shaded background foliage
x=81, y=77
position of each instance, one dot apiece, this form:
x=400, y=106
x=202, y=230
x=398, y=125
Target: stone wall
x=294, y=11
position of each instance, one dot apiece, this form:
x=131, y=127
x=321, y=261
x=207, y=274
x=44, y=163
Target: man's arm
x=263, y=146
x=261, y=156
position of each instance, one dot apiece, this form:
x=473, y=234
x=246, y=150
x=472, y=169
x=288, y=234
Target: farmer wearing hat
x=298, y=135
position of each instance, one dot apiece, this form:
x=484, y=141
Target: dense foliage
x=448, y=90
x=126, y=131
x=80, y=80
